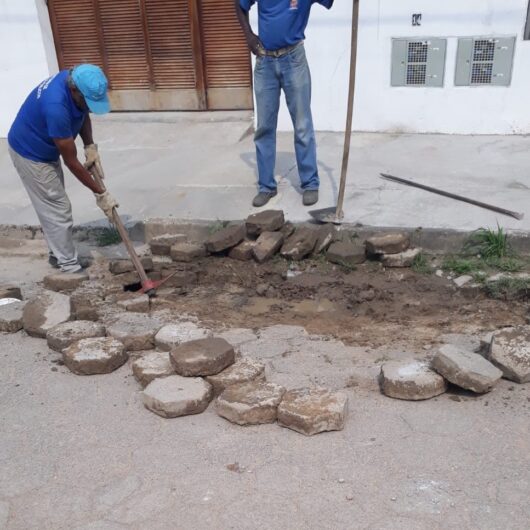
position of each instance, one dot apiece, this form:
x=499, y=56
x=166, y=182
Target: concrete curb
x=433, y=240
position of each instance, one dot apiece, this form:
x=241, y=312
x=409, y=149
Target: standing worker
x=281, y=64
x=45, y=128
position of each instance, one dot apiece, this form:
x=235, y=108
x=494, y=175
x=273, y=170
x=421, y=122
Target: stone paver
x=313, y=410
x=243, y=251
x=95, y=356
x=174, y=396
x=137, y=331
x=135, y=304
x=202, y=357
x=65, y=334
x=120, y=266
x=187, y=252
x=401, y=259
x=327, y=234
x=267, y=244
x=346, y=253
x=387, y=244
x=250, y=403
x=242, y=371
x=266, y=221
x=44, y=312
x=152, y=365
x=161, y=245
x=287, y=229
x=226, y=238
x=11, y=316
x=510, y=352
x=86, y=300
x=171, y=335
x=162, y=262
x=411, y=380
x=10, y=291
x=61, y=281
x=466, y=369
x=300, y=244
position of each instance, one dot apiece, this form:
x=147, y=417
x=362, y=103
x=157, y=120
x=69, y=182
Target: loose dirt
x=369, y=306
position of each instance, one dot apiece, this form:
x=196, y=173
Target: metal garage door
x=158, y=54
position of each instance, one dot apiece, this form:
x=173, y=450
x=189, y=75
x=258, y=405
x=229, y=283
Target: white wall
x=23, y=60
x=28, y=57
x=378, y=106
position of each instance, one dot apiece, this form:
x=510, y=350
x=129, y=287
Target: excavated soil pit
x=368, y=306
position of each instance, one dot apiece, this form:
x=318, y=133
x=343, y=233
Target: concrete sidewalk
x=203, y=167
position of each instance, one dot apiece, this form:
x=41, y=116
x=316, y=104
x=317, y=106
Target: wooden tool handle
x=123, y=233
x=349, y=116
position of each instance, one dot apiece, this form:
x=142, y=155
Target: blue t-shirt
x=48, y=112
x=282, y=23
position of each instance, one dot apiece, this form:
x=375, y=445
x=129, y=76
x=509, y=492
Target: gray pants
x=44, y=183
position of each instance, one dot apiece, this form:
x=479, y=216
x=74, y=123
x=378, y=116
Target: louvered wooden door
x=158, y=54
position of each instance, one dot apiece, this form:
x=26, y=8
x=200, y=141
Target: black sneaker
x=263, y=197
x=52, y=260
x=310, y=197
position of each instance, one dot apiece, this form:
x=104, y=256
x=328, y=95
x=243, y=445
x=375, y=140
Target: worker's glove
x=93, y=161
x=106, y=202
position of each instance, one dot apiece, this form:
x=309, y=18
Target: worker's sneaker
x=310, y=197
x=52, y=260
x=263, y=197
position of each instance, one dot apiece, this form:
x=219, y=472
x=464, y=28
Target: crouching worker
x=44, y=130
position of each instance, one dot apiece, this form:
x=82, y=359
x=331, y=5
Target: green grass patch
x=505, y=264
x=460, y=265
x=107, y=236
x=218, y=225
x=421, y=265
x=489, y=243
x=509, y=289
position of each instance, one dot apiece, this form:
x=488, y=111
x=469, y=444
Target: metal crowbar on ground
x=503, y=211
x=149, y=286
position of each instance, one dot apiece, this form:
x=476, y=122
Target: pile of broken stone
x=180, y=366
x=503, y=354
x=266, y=234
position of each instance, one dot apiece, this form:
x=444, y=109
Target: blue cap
x=92, y=83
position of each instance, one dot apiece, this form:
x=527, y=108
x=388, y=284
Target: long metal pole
x=516, y=215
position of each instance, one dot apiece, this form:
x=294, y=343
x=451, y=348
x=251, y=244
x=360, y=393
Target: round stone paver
x=510, y=352
x=65, y=334
x=172, y=335
x=250, y=403
x=202, y=357
x=242, y=371
x=151, y=366
x=313, y=410
x=411, y=380
x=93, y=356
x=136, y=330
x=174, y=396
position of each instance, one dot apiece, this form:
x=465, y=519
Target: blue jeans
x=271, y=75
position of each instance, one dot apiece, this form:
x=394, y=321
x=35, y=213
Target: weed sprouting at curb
x=107, y=236
x=489, y=243
x=218, y=225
